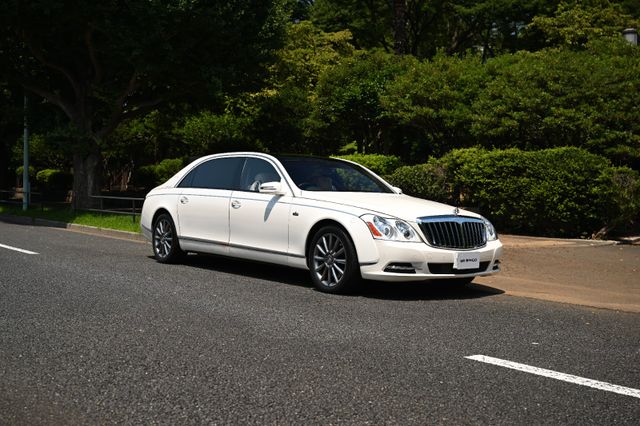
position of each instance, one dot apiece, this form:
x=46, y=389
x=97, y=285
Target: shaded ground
x=583, y=272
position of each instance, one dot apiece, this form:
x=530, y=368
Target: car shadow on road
x=248, y=268
x=369, y=289
x=425, y=290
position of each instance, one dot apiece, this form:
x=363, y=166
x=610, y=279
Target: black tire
x=166, y=247
x=333, y=262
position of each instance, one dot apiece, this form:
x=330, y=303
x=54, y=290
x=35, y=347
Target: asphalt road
x=92, y=330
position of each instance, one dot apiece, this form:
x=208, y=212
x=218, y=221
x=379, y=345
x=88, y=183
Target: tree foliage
x=117, y=86
x=103, y=63
x=454, y=26
x=348, y=105
x=576, y=23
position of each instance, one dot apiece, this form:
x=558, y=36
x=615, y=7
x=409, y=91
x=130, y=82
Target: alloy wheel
x=329, y=260
x=163, y=238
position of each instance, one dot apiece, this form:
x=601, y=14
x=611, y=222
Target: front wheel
x=166, y=248
x=333, y=262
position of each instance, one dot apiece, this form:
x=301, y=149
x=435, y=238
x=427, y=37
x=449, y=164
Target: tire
x=333, y=262
x=166, y=247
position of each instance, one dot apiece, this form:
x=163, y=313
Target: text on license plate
x=466, y=260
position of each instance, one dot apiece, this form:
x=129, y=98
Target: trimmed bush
x=54, y=180
x=621, y=187
x=561, y=191
x=153, y=175
x=20, y=170
x=555, y=192
x=167, y=168
x=377, y=163
x=423, y=180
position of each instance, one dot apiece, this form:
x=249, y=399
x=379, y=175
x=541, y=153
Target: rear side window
x=220, y=173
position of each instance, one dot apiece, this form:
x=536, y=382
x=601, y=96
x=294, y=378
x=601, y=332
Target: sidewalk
x=600, y=274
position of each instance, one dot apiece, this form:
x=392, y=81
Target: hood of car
x=394, y=205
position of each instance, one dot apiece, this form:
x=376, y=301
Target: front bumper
x=420, y=262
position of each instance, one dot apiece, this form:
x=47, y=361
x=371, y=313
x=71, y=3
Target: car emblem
x=456, y=211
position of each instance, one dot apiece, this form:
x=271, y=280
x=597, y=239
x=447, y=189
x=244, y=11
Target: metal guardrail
x=18, y=201
x=115, y=205
x=133, y=210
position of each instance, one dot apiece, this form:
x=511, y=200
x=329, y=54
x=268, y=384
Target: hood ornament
x=456, y=211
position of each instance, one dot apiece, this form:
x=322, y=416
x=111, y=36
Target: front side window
x=255, y=173
x=325, y=174
x=219, y=173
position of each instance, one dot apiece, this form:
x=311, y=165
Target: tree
x=348, y=103
x=276, y=117
x=494, y=26
x=369, y=21
x=11, y=102
x=422, y=27
x=549, y=98
x=103, y=63
x=575, y=23
x=432, y=101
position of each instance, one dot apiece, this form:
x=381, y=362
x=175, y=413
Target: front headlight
x=492, y=235
x=391, y=229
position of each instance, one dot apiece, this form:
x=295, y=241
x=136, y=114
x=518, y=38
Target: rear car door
x=203, y=204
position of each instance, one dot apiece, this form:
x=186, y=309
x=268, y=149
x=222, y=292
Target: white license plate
x=466, y=260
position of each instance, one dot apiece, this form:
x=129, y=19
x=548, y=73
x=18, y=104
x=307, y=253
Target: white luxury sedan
x=333, y=217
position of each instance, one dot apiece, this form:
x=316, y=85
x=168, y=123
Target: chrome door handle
x=236, y=204
x=184, y=200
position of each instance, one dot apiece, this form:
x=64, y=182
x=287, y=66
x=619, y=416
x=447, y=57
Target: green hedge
x=54, y=180
x=555, y=192
x=377, y=163
x=428, y=180
x=20, y=170
x=153, y=175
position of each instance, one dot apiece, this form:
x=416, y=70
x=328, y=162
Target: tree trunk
x=86, y=178
x=400, y=26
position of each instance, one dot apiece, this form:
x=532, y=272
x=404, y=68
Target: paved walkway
x=584, y=272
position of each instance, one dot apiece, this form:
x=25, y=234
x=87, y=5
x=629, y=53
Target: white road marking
x=17, y=249
x=557, y=375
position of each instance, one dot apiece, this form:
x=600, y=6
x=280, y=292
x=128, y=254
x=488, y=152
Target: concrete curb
x=630, y=240
x=86, y=229
x=521, y=241
x=510, y=241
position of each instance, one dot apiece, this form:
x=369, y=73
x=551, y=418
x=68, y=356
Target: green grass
x=99, y=220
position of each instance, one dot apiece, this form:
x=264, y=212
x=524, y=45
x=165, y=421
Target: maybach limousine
x=333, y=217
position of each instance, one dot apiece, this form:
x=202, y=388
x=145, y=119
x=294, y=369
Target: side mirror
x=398, y=190
x=272, y=188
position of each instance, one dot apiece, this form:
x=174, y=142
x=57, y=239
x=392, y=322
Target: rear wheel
x=166, y=248
x=333, y=262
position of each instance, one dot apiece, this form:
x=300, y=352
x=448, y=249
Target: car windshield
x=326, y=174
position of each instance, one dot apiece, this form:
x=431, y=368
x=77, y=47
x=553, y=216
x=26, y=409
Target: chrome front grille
x=453, y=232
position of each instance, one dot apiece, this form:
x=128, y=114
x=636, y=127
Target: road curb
x=525, y=241
x=135, y=236
x=93, y=230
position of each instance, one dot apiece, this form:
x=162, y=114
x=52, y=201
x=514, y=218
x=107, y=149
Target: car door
x=259, y=222
x=203, y=205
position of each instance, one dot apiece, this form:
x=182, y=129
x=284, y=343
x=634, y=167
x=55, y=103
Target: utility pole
x=26, y=186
